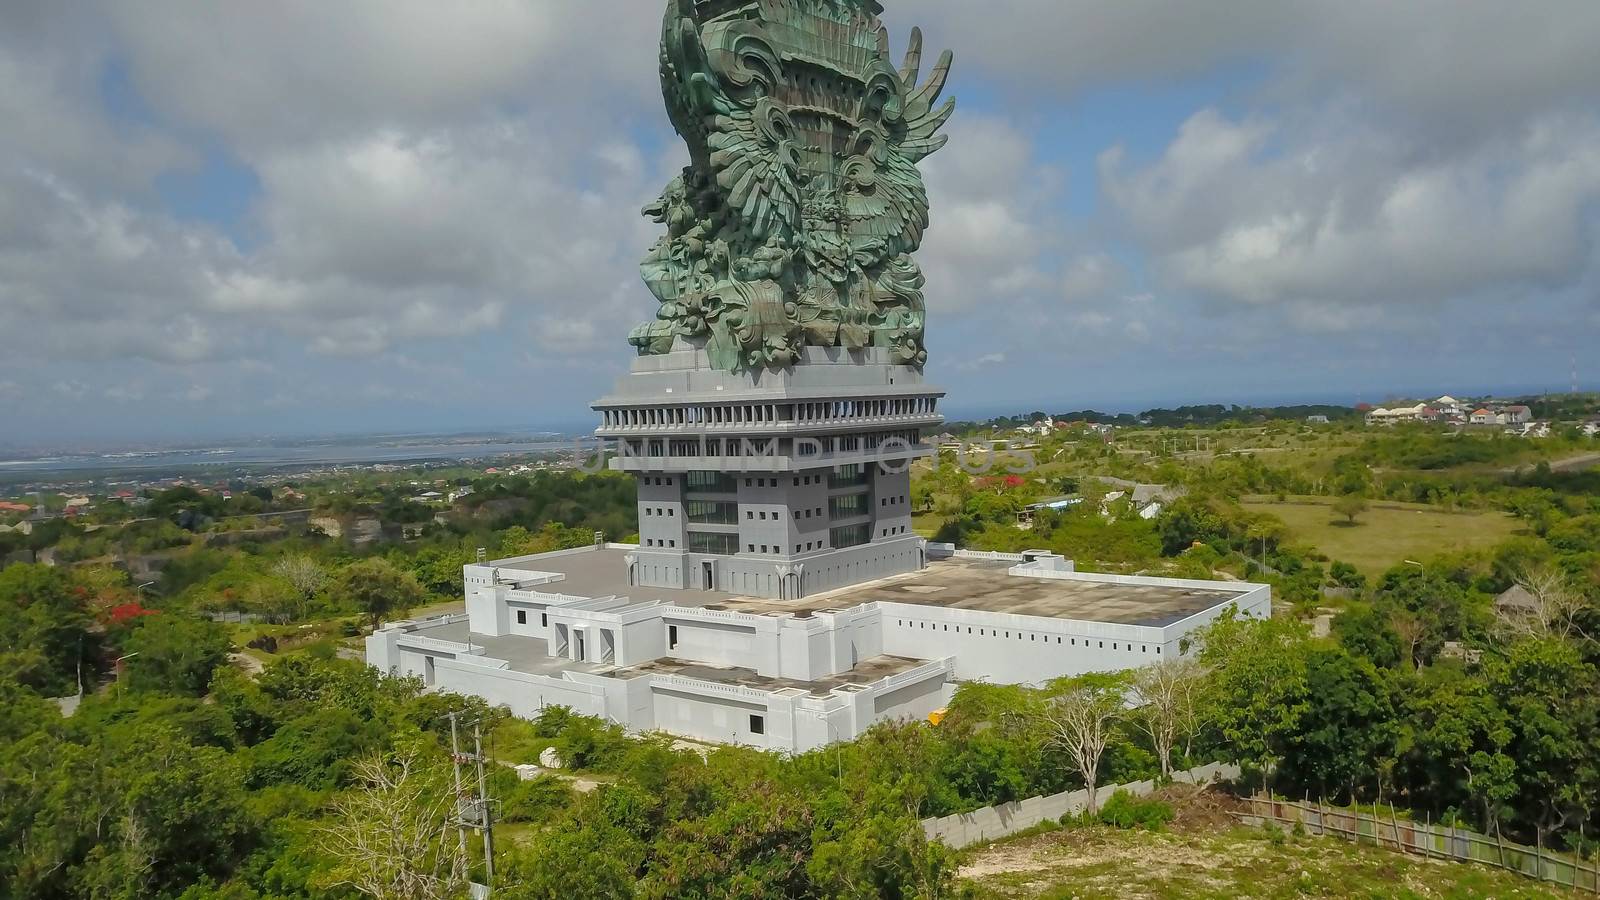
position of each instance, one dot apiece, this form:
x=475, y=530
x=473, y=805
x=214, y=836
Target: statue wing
x=756, y=164
x=920, y=120
x=901, y=189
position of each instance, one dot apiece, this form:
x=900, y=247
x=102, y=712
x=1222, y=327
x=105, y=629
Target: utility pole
x=485, y=814
x=472, y=803
x=455, y=767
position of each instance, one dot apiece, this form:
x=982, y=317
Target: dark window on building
x=672, y=637
x=850, y=535
x=522, y=617
x=850, y=476
x=544, y=619
x=848, y=505
x=706, y=542
x=758, y=724
x=716, y=482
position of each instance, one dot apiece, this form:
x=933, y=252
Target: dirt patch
x=1202, y=807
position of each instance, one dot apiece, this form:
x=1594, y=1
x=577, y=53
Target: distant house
x=1517, y=415
x=1484, y=417
x=1590, y=429
x=1316, y=420
x=1391, y=415
x=1026, y=514
x=7, y=506
x=1448, y=405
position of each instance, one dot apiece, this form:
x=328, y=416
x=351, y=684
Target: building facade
x=568, y=629
x=773, y=484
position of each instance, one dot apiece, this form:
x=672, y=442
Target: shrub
x=551, y=721
x=1124, y=810
x=590, y=743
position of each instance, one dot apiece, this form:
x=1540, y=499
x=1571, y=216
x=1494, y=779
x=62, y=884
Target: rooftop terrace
x=958, y=583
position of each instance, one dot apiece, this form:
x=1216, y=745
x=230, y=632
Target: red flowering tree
x=128, y=612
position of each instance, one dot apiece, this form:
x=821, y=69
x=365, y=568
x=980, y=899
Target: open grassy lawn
x=1388, y=532
x=1225, y=862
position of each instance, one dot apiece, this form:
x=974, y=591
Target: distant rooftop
x=958, y=583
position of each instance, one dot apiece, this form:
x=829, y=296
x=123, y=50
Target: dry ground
x=1205, y=855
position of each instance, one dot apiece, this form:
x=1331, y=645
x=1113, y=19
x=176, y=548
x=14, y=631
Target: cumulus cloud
x=460, y=185
x=266, y=74
x=1255, y=212
x=1457, y=66
x=992, y=216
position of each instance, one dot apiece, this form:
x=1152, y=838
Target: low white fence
x=994, y=822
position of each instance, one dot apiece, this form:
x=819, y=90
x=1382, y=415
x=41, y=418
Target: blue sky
x=406, y=215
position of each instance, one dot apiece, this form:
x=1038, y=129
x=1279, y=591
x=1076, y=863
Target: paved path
x=1570, y=464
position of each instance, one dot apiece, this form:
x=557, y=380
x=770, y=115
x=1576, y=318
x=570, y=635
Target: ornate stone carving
x=795, y=221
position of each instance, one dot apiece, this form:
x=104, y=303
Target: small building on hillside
x=1517, y=415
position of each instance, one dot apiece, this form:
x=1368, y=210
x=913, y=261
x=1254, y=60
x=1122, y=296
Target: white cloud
x=987, y=360
x=439, y=181
x=1455, y=67
x=993, y=217
x=1261, y=213
x=287, y=72
x=1091, y=277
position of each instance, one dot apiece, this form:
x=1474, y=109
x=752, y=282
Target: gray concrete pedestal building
x=777, y=484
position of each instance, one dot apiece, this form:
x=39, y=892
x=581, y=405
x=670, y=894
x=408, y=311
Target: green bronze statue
x=797, y=217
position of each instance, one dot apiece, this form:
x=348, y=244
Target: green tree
x=581, y=860
x=1257, y=692
x=1552, y=700
x=378, y=589
x=171, y=653
x=1368, y=631
x=1080, y=718
x=1350, y=506
x=1346, y=729
x=46, y=631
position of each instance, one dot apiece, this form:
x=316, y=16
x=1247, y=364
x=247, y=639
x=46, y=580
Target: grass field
x=1225, y=862
x=1388, y=532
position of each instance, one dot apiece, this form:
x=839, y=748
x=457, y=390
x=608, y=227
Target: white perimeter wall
x=1012, y=649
